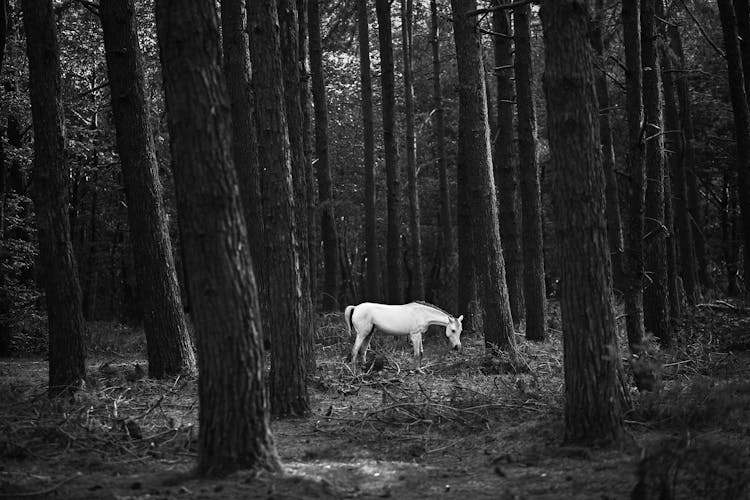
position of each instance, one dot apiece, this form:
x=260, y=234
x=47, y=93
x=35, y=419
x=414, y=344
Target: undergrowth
x=120, y=418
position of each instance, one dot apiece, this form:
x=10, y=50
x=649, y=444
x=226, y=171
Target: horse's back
x=391, y=319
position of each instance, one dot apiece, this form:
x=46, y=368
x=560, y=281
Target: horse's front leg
x=416, y=340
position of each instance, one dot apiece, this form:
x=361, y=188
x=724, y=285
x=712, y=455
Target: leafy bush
x=22, y=316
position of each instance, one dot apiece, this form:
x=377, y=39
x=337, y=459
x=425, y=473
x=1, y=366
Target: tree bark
x=170, y=348
x=467, y=252
x=741, y=120
x=3, y=169
x=742, y=10
x=90, y=284
x=313, y=235
x=675, y=293
x=392, y=167
x=86, y=255
x=236, y=67
x=234, y=423
x=614, y=219
x=323, y=169
x=742, y=15
x=636, y=183
x=447, y=246
x=284, y=293
x=730, y=242
x=535, y=293
x=415, y=250
x=593, y=412
x=67, y=354
x=675, y=155
x=656, y=292
x=368, y=131
x=689, y=166
x=475, y=158
x=293, y=87
x=506, y=168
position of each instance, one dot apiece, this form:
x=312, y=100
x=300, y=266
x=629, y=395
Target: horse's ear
x=460, y=318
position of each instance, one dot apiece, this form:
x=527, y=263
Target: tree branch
x=495, y=33
x=703, y=32
x=94, y=89
x=512, y=5
x=90, y=6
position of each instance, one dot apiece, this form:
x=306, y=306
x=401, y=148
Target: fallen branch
x=719, y=305
x=676, y=363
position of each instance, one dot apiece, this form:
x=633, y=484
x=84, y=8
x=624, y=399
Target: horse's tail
x=348, y=312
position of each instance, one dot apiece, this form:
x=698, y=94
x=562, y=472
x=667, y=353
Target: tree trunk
x=614, y=220
x=392, y=167
x=325, y=189
x=281, y=260
x=3, y=38
x=89, y=285
x=535, y=293
x=475, y=158
x=593, y=412
x=742, y=10
x=688, y=157
x=87, y=232
x=743, y=178
x=415, y=250
x=467, y=253
x=313, y=235
x=506, y=168
x=371, y=227
x=293, y=86
x=741, y=122
x=131, y=312
x=447, y=247
x=187, y=302
x=729, y=239
x=236, y=67
x=234, y=423
x=671, y=145
x=170, y=349
x=67, y=353
x=636, y=183
x=675, y=293
x=676, y=155
x=742, y=14
x=5, y=299
x=656, y=292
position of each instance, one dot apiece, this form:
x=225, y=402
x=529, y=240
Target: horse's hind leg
x=358, y=341
x=366, y=345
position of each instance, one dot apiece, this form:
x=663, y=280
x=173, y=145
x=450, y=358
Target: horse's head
x=453, y=331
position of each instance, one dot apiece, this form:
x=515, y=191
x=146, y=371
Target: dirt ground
x=470, y=427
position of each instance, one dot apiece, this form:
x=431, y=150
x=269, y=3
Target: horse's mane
x=422, y=302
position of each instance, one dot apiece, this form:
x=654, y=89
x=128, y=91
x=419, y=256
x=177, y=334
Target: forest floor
x=471, y=427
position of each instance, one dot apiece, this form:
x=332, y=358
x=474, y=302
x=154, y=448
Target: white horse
x=411, y=319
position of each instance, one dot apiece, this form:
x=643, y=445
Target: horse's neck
x=438, y=321
x=433, y=316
